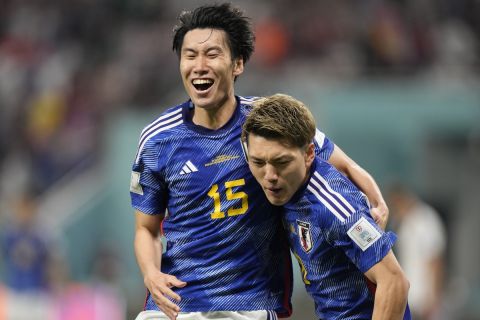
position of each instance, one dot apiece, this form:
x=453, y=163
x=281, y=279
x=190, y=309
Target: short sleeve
x=147, y=188
x=360, y=238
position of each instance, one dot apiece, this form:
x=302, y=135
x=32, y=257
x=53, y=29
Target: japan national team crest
x=304, y=235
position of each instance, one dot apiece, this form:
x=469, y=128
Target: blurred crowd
x=67, y=66
x=364, y=38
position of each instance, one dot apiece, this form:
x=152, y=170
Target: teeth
x=202, y=81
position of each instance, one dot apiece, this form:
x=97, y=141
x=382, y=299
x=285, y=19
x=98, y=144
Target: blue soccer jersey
x=335, y=241
x=222, y=236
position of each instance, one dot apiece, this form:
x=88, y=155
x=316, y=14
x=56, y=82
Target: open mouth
x=202, y=84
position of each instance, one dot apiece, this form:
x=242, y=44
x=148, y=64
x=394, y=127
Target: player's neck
x=215, y=118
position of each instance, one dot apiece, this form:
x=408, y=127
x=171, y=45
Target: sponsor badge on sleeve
x=363, y=233
x=135, y=186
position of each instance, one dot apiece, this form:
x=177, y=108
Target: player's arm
x=392, y=288
x=148, y=251
x=364, y=181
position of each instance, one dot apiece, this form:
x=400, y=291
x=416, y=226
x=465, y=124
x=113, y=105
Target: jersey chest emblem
x=221, y=158
x=304, y=235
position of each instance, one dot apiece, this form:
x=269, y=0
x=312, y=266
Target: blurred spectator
x=38, y=283
x=272, y=42
x=420, y=249
x=25, y=249
x=27, y=257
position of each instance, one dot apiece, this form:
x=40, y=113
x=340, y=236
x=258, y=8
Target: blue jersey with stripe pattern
x=222, y=236
x=335, y=240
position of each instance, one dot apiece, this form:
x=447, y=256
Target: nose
x=271, y=174
x=200, y=66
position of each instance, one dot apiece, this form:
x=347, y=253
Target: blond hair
x=281, y=117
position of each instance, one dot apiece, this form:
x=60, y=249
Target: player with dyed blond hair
x=347, y=263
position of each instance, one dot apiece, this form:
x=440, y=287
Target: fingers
x=172, y=281
x=379, y=217
x=170, y=293
x=177, y=283
x=170, y=309
x=162, y=293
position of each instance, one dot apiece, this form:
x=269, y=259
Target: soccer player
x=225, y=252
x=344, y=256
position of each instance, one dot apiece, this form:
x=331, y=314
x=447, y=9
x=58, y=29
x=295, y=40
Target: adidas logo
x=188, y=168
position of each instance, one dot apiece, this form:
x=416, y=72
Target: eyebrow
x=211, y=48
x=282, y=157
x=254, y=158
x=279, y=158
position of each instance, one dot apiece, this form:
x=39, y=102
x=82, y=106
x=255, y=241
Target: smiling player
x=225, y=256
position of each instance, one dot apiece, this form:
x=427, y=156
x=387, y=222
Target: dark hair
x=281, y=117
x=222, y=17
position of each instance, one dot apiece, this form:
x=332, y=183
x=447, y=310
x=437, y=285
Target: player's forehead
x=204, y=38
x=264, y=148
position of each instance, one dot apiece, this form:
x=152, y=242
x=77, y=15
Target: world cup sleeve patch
x=135, y=186
x=363, y=233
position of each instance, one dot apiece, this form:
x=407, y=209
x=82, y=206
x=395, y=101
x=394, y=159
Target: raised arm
x=148, y=251
x=364, y=181
x=392, y=288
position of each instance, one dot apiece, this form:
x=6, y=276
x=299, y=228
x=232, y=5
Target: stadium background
x=394, y=83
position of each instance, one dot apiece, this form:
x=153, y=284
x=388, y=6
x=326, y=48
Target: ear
x=310, y=155
x=238, y=67
x=244, y=144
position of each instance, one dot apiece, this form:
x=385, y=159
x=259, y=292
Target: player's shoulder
x=337, y=194
x=170, y=118
x=162, y=127
x=332, y=179
x=246, y=103
x=325, y=169
x=167, y=116
x=325, y=179
x=248, y=100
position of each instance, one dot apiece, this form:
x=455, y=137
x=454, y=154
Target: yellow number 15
x=213, y=193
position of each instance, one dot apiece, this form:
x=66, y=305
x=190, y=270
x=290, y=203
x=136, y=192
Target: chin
x=204, y=103
x=277, y=202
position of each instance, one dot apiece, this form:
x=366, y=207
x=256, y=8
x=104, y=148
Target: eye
x=213, y=54
x=257, y=163
x=281, y=163
x=188, y=54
